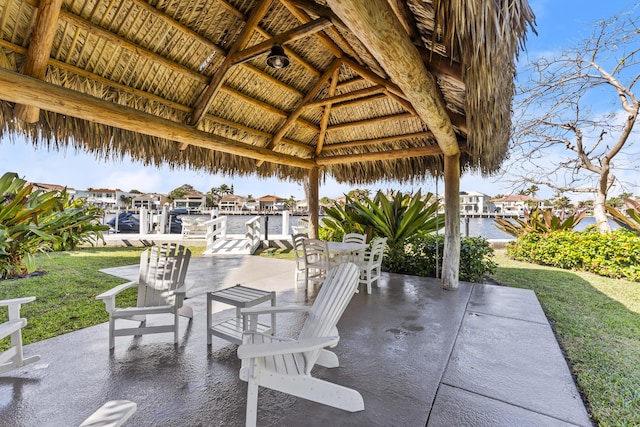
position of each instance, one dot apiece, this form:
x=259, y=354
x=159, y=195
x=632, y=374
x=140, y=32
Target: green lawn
x=597, y=321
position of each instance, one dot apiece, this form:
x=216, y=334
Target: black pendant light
x=277, y=58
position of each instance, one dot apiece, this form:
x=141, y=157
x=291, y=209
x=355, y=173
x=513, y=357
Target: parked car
x=128, y=223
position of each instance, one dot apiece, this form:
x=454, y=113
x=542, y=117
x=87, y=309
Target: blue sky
x=560, y=24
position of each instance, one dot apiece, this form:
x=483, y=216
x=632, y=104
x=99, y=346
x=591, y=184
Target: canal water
x=484, y=227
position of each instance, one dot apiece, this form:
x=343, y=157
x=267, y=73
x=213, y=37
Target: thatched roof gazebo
x=375, y=89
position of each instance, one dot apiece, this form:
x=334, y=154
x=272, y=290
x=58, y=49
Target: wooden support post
x=314, y=202
x=451, y=255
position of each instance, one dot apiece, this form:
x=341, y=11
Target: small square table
x=240, y=297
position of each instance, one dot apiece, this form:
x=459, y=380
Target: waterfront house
x=474, y=203
x=516, y=204
x=151, y=201
x=271, y=203
x=109, y=200
x=194, y=201
x=232, y=203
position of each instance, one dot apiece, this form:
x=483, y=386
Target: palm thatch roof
x=185, y=82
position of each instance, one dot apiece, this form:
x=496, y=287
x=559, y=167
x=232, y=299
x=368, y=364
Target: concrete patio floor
x=483, y=355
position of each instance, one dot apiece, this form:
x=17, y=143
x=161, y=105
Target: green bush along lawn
x=597, y=322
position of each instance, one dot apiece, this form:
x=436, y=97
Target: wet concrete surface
x=483, y=355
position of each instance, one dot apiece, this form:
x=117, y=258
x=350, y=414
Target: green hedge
x=419, y=257
x=615, y=254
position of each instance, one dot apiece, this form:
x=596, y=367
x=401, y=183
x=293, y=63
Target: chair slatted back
x=298, y=248
x=162, y=270
x=330, y=303
x=375, y=254
x=354, y=238
x=316, y=253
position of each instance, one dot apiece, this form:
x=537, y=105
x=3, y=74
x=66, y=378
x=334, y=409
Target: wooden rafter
x=373, y=77
x=39, y=51
x=358, y=101
x=388, y=139
x=300, y=32
x=375, y=120
x=300, y=108
x=431, y=150
x=15, y=87
x=335, y=99
x=298, y=59
x=207, y=97
x=304, y=18
x=326, y=114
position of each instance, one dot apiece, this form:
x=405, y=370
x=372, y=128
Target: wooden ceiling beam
x=203, y=104
x=345, y=97
x=303, y=17
x=369, y=75
x=359, y=101
x=326, y=114
x=39, y=52
x=300, y=108
x=376, y=26
x=267, y=107
x=267, y=35
x=367, y=122
x=17, y=88
x=300, y=32
x=364, y=142
x=432, y=150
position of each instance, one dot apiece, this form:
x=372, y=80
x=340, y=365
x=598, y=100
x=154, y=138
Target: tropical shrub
x=630, y=219
x=396, y=218
x=475, y=256
x=615, y=254
x=37, y=221
x=423, y=250
x=539, y=221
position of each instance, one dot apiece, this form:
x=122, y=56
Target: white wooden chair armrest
x=109, y=297
x=14, y=306
x=14, y=301
x=270, y=310
x=181, y=291
x=249, y=351
x=116, y=290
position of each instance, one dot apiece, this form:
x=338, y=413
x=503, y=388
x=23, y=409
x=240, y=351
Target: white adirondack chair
x=161, y=290
x=285, y=365
x=13, y=358
x=371, y=263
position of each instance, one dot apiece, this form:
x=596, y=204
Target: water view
x=484, y=227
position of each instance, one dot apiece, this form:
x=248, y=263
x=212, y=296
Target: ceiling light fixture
x=277, y=58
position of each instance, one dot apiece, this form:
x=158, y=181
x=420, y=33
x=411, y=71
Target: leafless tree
x=575, y=113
